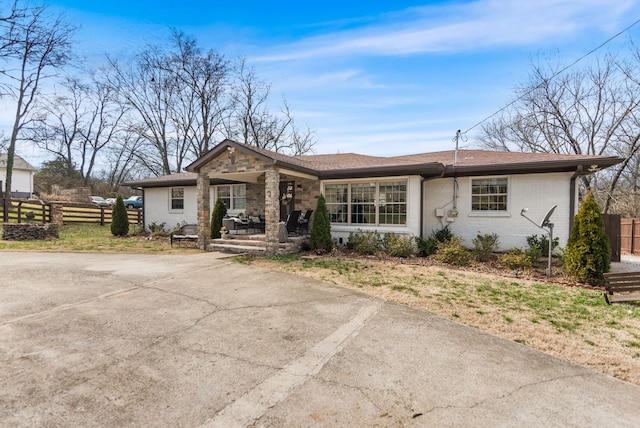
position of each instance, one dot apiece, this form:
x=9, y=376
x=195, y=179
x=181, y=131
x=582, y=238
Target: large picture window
x=177, y=198
x=367, y=203
x=490, y=194
x=233, y=196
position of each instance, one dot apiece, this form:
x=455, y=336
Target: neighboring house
x=472, y=191
x=21, y=178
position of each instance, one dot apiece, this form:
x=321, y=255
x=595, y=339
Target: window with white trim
x=233, y=196
x=177, y=198
x=367, y=203
x=490, y=194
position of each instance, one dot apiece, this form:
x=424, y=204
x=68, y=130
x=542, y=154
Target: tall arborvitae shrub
x=219, y=211
x=119, y=219
x=587, y=256
x=321, y=228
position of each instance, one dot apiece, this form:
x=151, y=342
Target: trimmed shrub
x=369, y=242
x=426, y=246
x=157, y=230
x=541, y=243
x=442, y=235
x=515, y=259
x=119, y=219
x=587, y=256
x=399, y=245
x=320, y=238
x=485, y=245
x=219, y=211
x=452, y=252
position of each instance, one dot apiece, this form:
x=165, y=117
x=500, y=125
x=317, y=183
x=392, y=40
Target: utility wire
x=592, y=51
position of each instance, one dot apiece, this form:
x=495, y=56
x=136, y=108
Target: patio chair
x=303, y=223
x=292, y=221
x=256, y=223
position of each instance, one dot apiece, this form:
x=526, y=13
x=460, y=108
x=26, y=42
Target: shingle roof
x=18, y=163
x=443, y=163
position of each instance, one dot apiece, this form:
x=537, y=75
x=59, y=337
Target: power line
x=592, y=51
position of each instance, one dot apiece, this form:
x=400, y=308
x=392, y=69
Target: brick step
x=239, y=237
x=239, y=242
x=235, y=248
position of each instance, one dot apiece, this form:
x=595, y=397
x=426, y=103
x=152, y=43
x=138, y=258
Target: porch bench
x=188, y=232
x=622, y=287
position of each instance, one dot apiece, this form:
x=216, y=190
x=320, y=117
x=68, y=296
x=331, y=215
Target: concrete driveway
x=196, y=340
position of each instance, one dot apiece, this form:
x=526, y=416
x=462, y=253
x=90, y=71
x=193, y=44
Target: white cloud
x=458, y=27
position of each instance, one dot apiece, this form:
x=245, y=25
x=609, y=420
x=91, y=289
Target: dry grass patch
x=568, y=322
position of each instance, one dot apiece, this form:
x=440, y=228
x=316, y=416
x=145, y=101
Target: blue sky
x=376, y=77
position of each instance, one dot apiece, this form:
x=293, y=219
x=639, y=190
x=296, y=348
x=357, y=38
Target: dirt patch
x=567, y=320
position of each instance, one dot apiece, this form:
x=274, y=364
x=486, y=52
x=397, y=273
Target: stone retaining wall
x=28, y=231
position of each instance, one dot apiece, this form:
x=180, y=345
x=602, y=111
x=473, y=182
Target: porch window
x=234, y=197
x=177, y=198
x=490, y=194
x=367, y=203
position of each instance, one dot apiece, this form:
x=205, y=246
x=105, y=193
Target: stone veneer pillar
x=204, y=216
x=57, y=214
x=272, y=210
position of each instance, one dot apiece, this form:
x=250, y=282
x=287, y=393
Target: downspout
x=572, y=194
x=422, y=180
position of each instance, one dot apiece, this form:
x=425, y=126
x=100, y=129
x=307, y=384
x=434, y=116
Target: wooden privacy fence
x=630, y=235
x=34, y=212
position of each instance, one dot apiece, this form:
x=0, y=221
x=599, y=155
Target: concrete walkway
x=196, y=340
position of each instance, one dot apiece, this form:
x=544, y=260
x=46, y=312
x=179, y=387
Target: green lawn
x=94, y=238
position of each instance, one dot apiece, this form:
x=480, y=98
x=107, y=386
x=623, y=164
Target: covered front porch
x=273, y=190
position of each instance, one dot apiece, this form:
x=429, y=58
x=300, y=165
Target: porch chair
x=292, y=221
x=303, y=223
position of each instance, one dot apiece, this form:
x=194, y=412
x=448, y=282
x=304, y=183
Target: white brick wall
x=413, y=211
x=538, y=192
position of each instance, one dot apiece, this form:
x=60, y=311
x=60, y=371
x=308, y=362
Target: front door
x=287, y=198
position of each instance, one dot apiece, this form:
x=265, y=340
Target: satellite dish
x=545, y=222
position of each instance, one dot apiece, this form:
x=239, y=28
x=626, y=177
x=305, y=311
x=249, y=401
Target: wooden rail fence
x=34, y=212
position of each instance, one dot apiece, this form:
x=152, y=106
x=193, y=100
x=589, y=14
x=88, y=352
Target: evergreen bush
x=587, y=256
x=119, y=219
x=485, y=245
x=426, y=246
x=365, y=242
x=219, y=211
x=452, y=252
x=320, y=238
x=515, y=259
x=399, y=245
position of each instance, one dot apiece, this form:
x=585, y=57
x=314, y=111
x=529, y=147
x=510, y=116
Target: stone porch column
x=204, y=215
x=272, y=209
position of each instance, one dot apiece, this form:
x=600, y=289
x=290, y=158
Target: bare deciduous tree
x=201, y=106
x=34, y=43
x=591, y=111
x=77, y=123
x=179, y=98
x=255, y=124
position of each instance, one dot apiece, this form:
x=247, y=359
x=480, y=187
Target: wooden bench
x=188, y=232
x=622, y=287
